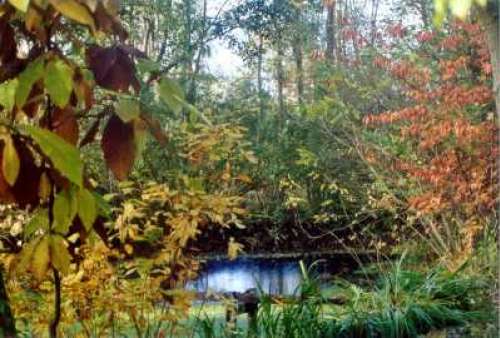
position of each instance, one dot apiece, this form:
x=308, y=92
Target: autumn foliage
x=448, y=124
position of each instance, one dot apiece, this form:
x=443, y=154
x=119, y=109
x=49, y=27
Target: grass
x=397, y=303
x=400, y=303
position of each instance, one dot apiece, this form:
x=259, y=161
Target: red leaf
x=25, y=190
x=119, y=147
x=112, y=67
x=64, y=124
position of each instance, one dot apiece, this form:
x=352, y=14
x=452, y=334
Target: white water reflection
x=276, y=277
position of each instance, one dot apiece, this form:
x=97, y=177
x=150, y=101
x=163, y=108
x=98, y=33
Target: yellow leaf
x=24, y=258
x=41, y=258
x=129, y=249
x=75, y=11
x=233, y=249
x=92, y=4
x=21, y=5
x=10, y=161
x=59, y=254
x=244, y=178
x=33, y=19
x=460, y=8
x=44, y=188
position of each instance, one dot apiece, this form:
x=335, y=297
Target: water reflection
x=273, y=277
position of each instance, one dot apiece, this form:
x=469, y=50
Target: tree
x=488, y=12
x=442, y=140
x=46, y=99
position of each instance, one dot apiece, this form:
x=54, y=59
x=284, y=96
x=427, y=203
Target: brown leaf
x=118, y=145
x=65, y=124
x=155, y=128
x=34, y=24
x=107, y=22
x=112, y=68
x=25, y=190
x=84, y=91
x=8, y=50
x=33, y=103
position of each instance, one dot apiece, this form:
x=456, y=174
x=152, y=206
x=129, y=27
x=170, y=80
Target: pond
x=272, y=276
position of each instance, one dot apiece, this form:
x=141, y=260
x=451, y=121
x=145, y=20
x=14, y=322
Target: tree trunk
x=260, y=62
x=57, y=305
x=191, y=95
x=297, y=51
x=375, y=4
x=331, y=42
x=338, y=44
x=492, y=27
x=188, y=49
x=280, y=78
x=7, y=323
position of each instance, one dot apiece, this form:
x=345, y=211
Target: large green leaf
x=64, y=210
x=8, y=94
x=74, y=10
x=41, y=258
x=27, y=79
x=39, y=221
x=87, y=208
x=64, y=156
x=21, y=5
x=171, y=94
x=127, y=109
x=59, y=82
x=59, y=255
x=26, y=254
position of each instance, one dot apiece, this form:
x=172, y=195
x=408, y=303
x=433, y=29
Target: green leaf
x=64, y=210
x=27, y=79
x=64, y=156
x=127, y=109
x=171, y=94
x=103, y=207
x=147, y=66
x=21, y=5
x=59, y=82
x=10, y=161
x=41, y=258
x=75, y=11
x=87, y=208
x=60, y=257
x=39, y=221
x=26, y=254
x=8, y=94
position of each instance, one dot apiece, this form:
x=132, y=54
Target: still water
x=272, y=276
